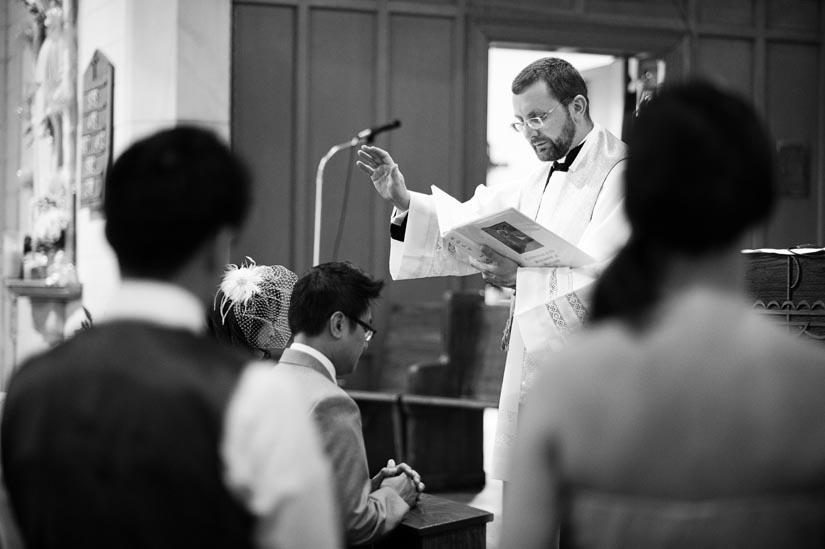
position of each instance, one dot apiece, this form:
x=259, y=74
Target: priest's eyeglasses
x=534, y=122
x=369, y=331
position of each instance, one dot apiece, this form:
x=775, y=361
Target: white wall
x=172, y=65
x=101, y=24
x=606, y=91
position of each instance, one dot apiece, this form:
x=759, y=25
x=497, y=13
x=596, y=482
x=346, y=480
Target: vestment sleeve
x=423, y=252
x=275, y=465
x=365, y=515
x=552, y=302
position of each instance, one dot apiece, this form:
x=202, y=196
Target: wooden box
x=789, y=287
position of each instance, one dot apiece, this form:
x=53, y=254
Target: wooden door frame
x=672, y=44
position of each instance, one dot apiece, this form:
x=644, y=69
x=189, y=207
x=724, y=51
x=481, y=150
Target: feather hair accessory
x=259, y=297
x=240, y=284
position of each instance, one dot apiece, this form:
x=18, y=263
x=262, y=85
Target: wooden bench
x=439, y=523
x=442, y=438
x=445, y=399
x=789, y=288
x=437, y=423
x=382, y=425
x=471, y=365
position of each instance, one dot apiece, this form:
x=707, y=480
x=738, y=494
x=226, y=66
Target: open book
x=509, y=232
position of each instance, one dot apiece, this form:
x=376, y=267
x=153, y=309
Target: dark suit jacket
x=113, y=439
x=365, y=515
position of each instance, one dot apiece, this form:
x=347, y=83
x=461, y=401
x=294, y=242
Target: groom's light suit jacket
x=365, y=515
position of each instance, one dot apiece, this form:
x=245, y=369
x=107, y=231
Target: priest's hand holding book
x=495, y=268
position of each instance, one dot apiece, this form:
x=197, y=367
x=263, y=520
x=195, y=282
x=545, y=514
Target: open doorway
x=615, y=86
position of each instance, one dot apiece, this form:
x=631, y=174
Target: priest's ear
x=578, y=107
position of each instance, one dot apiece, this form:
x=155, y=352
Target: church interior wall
x=287, y=79
x=171, y=65
x=424, y=63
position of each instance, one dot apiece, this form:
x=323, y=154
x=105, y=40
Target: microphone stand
x=319, y=185
x=365, y=136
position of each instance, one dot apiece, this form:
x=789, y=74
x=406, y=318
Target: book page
x=516, y=236
x=509, y=232
x=450, y=212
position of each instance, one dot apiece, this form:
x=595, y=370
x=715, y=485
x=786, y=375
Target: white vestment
x=585, y=206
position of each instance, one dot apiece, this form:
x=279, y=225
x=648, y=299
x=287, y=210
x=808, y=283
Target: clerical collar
x=564, y=165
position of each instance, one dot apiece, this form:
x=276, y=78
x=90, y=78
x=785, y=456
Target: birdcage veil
x=258, y=296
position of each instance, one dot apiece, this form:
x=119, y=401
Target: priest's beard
x=548, y=149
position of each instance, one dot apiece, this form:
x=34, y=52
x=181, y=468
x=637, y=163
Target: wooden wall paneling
x=459, y=136
x=382, y=111
x=363, y=5
x=759, y=55
x=638, y=8
x=425, y=62
x=585, y=36
x=545, y=5
x=341, y=103
x=304, y=206
x=688, y=17
x=475, y=161
x=728, y=12
x=650, y=10
x=458, y=94
x=793, y=95
x=794, y=14
x=380, y=210
x=439, y=2
x=263, y=127
x=413, y=334
x=422, y=97
x=728, y=62
x=678, y=59
x=446, y=9
x=820, y=181
x=758, y=236
x=475, y=106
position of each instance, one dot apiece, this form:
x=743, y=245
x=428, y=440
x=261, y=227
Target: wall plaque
x=96, y=129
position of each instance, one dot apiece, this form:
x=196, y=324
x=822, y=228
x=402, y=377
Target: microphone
x=369, y=134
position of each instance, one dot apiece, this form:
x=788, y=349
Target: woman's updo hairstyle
x=700, y=172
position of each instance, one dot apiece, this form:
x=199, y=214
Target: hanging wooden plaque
x=96, y=129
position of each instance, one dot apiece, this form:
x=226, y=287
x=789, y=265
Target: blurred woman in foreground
x=681, y=418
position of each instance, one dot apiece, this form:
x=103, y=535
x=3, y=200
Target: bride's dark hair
x=700, y=172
